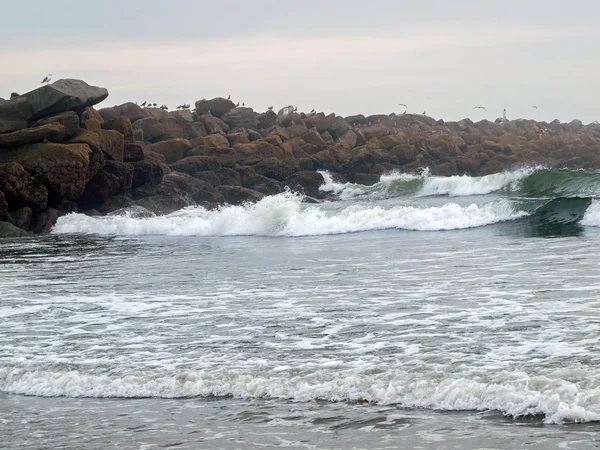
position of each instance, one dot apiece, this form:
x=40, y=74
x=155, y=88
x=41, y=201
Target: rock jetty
x=59, y=155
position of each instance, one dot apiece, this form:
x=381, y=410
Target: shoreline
x=60, y=155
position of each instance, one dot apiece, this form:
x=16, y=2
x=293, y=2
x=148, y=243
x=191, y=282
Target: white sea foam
x=395, y=183
x=592, y=215
x=465, y=185
x=513, y=393
x=285, y=215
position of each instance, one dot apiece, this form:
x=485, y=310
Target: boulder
x=8, y=230
x=217, y=106
x=173, y=149
x=285, y=116
x=63, y=95
x=90, y=119
x=14, y=114
x=216, y=140
x=153, y=130
x=275, y=168
x=225, y=156
x=194, y=130
x=46, y=220
x=146, y=173
x=296, y=130
x=236, y=195
x=192, y=165
x=241, y=117
x=181, y=115
x=132, y=112
x=228, y=177
x=314, y=138
x=249, y=154
x=108, y=113
x=4, y=214
x=122, y=125
x=63, y=168
x=69, y=119
x=238, y=138
x=213, y=124
x=22, y=218
x=377, y=130
x=356, y=120
x=134, y=152
x=21, y=189
x=199, y=191
x=54, y=132
x=306, y=183
x=112, y=144
x=252, y=180
x=267, y=119
x=164, y=198
x=114, y=178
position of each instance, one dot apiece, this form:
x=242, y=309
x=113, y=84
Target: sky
x=349, y=57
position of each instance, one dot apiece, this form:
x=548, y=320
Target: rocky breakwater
x=59, y=155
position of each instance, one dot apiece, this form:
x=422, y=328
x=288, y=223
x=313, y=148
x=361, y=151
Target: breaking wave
x=513, y=393
x=285, y=215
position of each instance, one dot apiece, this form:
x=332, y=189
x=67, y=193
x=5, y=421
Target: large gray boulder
x=64, y=95
x=14, y=115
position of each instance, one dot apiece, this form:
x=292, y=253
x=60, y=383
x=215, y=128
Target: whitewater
x=422, y=311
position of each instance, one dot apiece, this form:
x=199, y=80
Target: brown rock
x=192, y=165
x=347, y=141
x=277, y=169
x=146, y=173
x=212, y=124
x=69, y=119
x=251, y=180
x=193, y=130
x=90, y=119
x=236, y=195
x=52, y=132
x=112, y=144
x=216, y=140
x=238, y=138
x=21, y=189
x=153, y=130
x=4, y=215
x=134, y=151
x=132, y=111
x=278, y=131
x=8, y=230
x=46, y=220
x=377, y=130
x=241, y=117
x=225, y=156
x=306, y=183
x=22, y=218
x=217, y=106
x=162, y=199
x=199, y=191
x=228, y=177
x=267, y=119
x=315, y=139
x=296, y=130
x=64, y=169
x=404, y=154
x=122, y=125
x=249, y=154
x=114, y=178
x=173, y=149
x=108, y=113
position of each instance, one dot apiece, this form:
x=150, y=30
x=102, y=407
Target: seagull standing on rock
x=270, y=108
x=144, y=104
x=47, y=79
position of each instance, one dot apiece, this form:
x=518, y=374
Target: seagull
x=312, y=111
x=295, y=109
x=480, y=107
x=270, y=108
x=424, y=112
x=402, y=104
x=534, y=107
x=154, y=104
x=144, y=104
x=47, y=79
x=229, y=97
x=238, y=104
x=243, y=104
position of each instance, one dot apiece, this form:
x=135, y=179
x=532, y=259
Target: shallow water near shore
x=376, y=321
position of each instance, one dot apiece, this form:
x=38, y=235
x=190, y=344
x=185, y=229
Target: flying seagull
x=480, y=107
x=402, y=104
x=534, y=107
x=47, y=79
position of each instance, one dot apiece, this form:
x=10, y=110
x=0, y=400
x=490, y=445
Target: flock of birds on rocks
x=48, y=78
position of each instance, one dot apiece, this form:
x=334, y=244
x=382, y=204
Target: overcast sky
x=439, y=56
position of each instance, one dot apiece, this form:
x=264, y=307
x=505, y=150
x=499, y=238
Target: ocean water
x=421, y=312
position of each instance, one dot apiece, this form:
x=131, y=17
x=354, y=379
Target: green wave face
x=561, y=183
